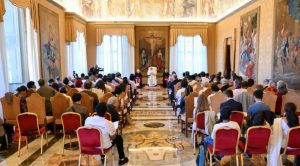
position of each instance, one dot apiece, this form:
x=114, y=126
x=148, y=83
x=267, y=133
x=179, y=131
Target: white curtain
x=76, y=55
x=115, y=54
x=189, y=54
x=3, y=67
x=32, y=51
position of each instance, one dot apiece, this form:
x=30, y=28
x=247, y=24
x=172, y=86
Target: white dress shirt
x=107, y=128
x=237, y=92
x=178, y=95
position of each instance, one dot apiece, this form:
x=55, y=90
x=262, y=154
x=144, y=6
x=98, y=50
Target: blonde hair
x=202, y=103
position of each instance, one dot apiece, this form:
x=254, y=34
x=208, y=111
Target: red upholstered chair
x=225, y=143
x=71, y=121
x=293, y=144
x=237, y=117
x=90, y=142
x=257, y=141
x=200, y=125
x=28, y=126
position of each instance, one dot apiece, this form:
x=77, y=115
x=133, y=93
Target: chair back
x=107, y=116
x=250, y=90
x=36, y=104
x=10, y=110
x=293, y=97
x=257, y=139
x=105, y=97
x=207, y=92
x=237, y=117
x=216, y=101
x=226, y=141
x=189, y=104
x=72, y=91
x=293, y=139
x=270, y=98
x=28, y=123
x=87, y=101
x=71, y=121
x=60, y=104
x=176, y=87
x=198, y=87
x=89, y=139
x=200, y=120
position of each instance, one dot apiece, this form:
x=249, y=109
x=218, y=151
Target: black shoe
x=123, y=161
x=102, y=159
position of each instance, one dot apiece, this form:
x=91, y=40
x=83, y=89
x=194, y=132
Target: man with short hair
x=238, y=87
x=77, y=107
x=109, y=135
x=112, y=106
x=88, y=90
x=225, y=84
x=230, y=103
x=258, y=105
x=47, y=92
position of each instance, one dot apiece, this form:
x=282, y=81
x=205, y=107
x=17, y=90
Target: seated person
x=178, y=96
x=109, y=135
x=230, y=103
x=77, y=107
x=258, y=105
x=47, y=92
x=88, y=90
x=225, y=114
x=112, y=105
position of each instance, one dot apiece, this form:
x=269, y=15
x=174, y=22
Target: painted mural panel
x=249, y=31
x=49, y=36
x=151, y=9
x=287, y=43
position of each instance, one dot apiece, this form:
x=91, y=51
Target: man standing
x=109, y=135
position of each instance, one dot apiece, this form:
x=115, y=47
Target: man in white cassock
x=152, y=72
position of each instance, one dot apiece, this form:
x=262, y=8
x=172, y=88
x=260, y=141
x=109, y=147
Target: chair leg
x=79, y=160
x=64, y=137
x=26, y=142
x=210, y=159
x=46, y=135
x=19, y=147
x=105, y=160
x=70, y=142
x=195, y=140
x=186, y=129
x=237, y=159
x=267, y=158
x=242, y=159
x=42, y=137
x=6, y=140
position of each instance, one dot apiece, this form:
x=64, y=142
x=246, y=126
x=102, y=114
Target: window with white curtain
x=115, y=54
x=76, y=55
x=21, y=46
x=189, y=54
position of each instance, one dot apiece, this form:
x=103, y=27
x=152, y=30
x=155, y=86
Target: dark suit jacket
x=225, y=87
x=232, y=104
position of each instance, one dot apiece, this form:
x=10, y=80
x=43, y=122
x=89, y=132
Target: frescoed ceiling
x=153, y=10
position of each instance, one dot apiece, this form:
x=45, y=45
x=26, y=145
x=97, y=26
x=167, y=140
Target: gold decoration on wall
x=115, y=29
x=2, y=10
x=188, y=30
x=21, y=3
x=73, y=23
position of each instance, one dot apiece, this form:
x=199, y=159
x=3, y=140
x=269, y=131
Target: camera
x=75, y=75
x=96, y=69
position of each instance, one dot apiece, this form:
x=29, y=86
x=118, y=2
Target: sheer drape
x=76, y=55
x=3, y=67
x=115, y=54
x=189, y=54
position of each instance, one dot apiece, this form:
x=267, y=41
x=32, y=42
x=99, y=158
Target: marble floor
x=155, y=139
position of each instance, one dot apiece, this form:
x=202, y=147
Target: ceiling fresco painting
x=153, y=10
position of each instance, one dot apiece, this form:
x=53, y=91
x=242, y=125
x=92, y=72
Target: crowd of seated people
x=238, y=97
x=94, y=85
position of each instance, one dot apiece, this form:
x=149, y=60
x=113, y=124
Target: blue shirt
x=256, y=107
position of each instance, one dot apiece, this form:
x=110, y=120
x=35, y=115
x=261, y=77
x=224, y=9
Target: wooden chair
x=10, y=111
x=225, y=143
x=106, y=96
x=90, y=142
x=257, y=141
x=189, y=107
x=176, y=87
x=71, y=121
x=216, y=101
x=88, y=102
x=60, y=104
x=71, y=91
x=270, y=98
x=198, y=88
x=36, y=104
x=207, y=92
x=293, y=97
x=28, y=126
